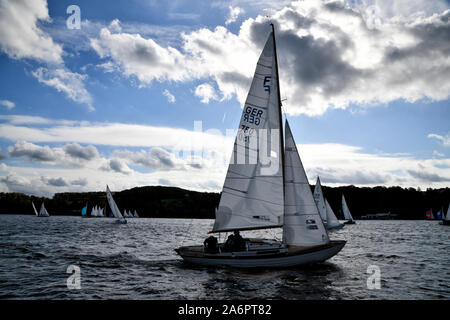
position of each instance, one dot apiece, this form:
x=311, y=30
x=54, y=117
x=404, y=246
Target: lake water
x=137, y=261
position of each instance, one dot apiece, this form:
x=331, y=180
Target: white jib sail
x=332, y=221
x=252, y=194
x=447, y=216
x=346, y=210
x=320, y=201
x=34, y=208
x=112, y=204
x=303, y=225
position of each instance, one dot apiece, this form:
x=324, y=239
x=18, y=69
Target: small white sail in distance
x=35, y=211
x=136, y=214
x=346, y=210
x=303, y=225
x=447, y=216
x=252, y=194
x=320, y=200
x=112, y=204
x=43, y=212
x=332, y=221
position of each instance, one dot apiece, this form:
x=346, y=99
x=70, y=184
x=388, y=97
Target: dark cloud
x=57, y=182
x=156, y=159
x=79, y=182
x=32, y=152
x=356, y=177
x=77, y=151
x=116, y=165
x=428, y=177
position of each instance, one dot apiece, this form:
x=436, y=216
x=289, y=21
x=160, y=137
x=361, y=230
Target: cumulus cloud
x=158, y=159
x=116, y=165
x=206, y=92
x=7, y=104
x=32, y=152
x=20, y=34
x=63, y=80
x=55, y=182
x=233, y=14
x=77, y=151
x=331, y=54
x=170, y=97
x=72, y=155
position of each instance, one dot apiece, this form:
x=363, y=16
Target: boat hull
x=349, y=222
x=445, y=222
x=340, y=226
x=295, y=256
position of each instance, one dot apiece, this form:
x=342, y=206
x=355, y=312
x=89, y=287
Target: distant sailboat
x=115, y=210
x=84, y=211
x=332, y=222
x=326, y=213
x=135, y=215
x=446, y=220
x=346, y=211
x=43, y=212
x=34, y=208
x=254, y=197
x=320, y=201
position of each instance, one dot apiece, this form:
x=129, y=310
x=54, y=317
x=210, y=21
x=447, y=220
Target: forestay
x=252, y=195
x=303, y=225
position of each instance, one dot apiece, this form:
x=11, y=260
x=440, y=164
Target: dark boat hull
x=293, y=256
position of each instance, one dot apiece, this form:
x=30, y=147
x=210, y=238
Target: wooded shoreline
x=172, y=202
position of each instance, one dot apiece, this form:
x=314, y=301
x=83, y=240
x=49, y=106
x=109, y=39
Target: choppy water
x=137, y=261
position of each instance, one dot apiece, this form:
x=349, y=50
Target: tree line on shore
x=172, y=202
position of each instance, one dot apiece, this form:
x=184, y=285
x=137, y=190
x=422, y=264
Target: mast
x=279, y=107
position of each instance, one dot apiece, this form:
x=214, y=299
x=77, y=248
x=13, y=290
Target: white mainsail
x=35, y=211
x=332, y=221
x=447, y=216
x=320, y=200
x=252, y=194
x=43, y=212
x=303, y=225
x=346, y=210
x=112, y=204
x=93, y=212
x=135, y=214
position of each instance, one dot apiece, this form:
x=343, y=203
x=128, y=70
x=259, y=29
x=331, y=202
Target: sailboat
x=115, y=210
x=265, y=194
x=326, y=213
x=94, y=211
x=43, y=212
x=34, y=208
x=320, y=201
x=446, y=220
x=135, y=215
x=332, y=222
x=84, y=211
x=346, y=211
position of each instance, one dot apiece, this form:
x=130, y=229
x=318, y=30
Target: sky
x=146, y=92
